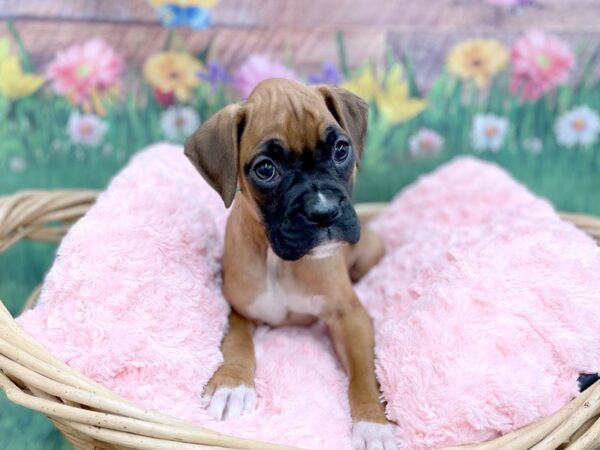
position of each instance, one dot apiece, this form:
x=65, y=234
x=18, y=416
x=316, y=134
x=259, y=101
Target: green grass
x=568, y=177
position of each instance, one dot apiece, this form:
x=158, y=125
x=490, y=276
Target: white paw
x=229, y=402
x=373, y=436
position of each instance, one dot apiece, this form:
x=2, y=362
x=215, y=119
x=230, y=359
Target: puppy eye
x=341, y=150
x=265, y=170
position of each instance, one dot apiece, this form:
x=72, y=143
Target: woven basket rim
x=90, y=414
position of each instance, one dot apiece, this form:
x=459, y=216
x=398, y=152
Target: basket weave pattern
x=94, y=418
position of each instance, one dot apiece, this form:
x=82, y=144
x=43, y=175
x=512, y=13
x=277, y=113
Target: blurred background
x=84, y=84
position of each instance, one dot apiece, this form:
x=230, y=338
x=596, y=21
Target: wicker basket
x=94, y=418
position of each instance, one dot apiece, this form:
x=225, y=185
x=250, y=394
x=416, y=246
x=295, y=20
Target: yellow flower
x=173, y=72
x=393, y=101
x=365, y=85
x=13, y=82
x=478, y=60
x=4, y=49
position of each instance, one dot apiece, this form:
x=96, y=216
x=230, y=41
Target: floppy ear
x=214, y=150
x=350, y=111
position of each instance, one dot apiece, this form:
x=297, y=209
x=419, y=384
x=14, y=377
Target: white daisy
x=533, y=145
x=580, y=125
x=488, y=132
x=86, y=129
x=425, y=142
x=178, y=122
x=16, y=164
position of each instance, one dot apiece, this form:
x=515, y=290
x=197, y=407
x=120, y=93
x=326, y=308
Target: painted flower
x=82, y=72
x=478, y=60
x=580, y=125
x=393, y=100
x=185, y=3
x=174, y=16
x=173, y=72
x=533, y=145
x=488, y=132
x=86, y=129
x=330, y=74
x=364, y=85
x=178, y=122
x=14, y=83
x=163, y=98
x=258, y=68
x=17, y=164
x=194, y=14
x=540, y=62
x=215, y=74
x=425, y=142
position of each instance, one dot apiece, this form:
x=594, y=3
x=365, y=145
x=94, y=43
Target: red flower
x=163, y=98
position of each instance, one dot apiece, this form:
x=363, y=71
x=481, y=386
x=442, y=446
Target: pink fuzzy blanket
x=486, y=309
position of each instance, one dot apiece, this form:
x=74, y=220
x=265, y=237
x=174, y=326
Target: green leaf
x=410, y=74
x=23, y=55
x=202, y=55
x=341, y=49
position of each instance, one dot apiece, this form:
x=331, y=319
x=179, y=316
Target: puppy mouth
x=325, y=250
x=294, y=236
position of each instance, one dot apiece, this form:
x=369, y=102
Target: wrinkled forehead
x=292, y=114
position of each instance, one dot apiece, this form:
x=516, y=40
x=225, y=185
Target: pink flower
x=82, y=71
x=425, y=142
x=256, y=69
x=540, y=62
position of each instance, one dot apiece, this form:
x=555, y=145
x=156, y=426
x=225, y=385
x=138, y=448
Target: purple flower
x=215, y=74
x=330, y=74
x=256, y=69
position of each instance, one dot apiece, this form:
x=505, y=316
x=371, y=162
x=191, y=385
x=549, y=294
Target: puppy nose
x=323, y=211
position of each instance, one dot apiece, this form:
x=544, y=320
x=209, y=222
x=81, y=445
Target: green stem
x=169, y=40
x=341, y=46
x=23, y=55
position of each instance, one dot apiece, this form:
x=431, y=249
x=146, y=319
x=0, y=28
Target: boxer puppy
x=293, y=241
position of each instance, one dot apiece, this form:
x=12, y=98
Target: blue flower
x=174, y=16
x=330, y=74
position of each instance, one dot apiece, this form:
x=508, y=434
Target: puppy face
x=304, y=194
x=293, y=151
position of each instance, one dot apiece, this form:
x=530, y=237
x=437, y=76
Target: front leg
x=352, y=334
x=230, y=392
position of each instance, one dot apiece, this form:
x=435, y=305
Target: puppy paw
x=229, y=402
x=373, y=436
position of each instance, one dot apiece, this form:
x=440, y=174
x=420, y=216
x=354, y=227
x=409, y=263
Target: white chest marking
x=282, y=296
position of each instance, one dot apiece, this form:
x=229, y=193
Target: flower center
x=543, y=61
x=578, y=124
x=427, y=144
x=491, y=131
x=83, y=71
x=180, y=121
x=173, y=75
x=477, y=62
x=86, y=128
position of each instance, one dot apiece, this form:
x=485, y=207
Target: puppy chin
x=325, y=250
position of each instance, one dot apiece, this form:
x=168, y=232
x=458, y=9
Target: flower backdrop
x=528, y=100
x=79, y=118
